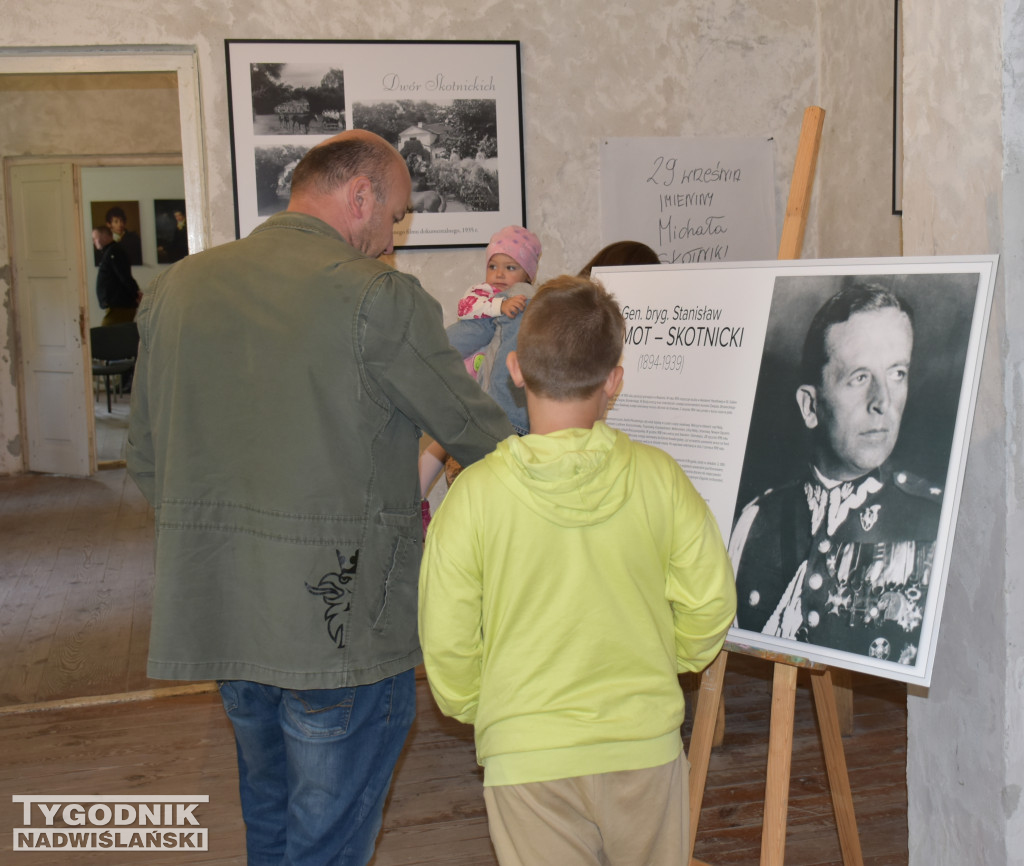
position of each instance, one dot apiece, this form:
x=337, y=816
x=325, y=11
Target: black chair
x=114, y=349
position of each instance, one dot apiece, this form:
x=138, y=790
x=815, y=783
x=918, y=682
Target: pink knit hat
x=517, y=243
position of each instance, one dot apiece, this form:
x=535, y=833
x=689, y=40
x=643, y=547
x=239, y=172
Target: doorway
x=150, y=192
x=126, y=69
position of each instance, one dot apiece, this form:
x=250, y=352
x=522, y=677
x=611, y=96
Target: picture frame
x=453, y=109
x=122, y=215
x=839, y=516
x=897, y=111
x=170, y=223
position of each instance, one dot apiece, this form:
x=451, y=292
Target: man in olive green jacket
x=282, y=384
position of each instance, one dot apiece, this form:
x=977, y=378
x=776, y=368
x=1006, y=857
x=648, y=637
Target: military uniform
x=845, y=566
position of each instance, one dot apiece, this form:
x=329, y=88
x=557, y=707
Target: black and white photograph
x=844, y=475
x=297, y=99
x=823, y=410
x=274, y=167
x=453, y=110
x=451, y=149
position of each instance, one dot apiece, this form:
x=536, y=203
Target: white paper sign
x=691, y=200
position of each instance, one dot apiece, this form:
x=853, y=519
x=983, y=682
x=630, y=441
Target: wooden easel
x=780, y=751
x=709, y=719
x=795, y=223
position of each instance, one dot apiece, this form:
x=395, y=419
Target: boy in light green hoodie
x=568, y=578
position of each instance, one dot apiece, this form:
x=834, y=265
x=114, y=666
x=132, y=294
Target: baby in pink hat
x=489, y=308
x=512, y=257
x=493, y=307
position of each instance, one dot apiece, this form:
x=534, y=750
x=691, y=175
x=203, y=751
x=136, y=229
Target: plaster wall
x=645, y=70
x=853, y=188
x=1012, y=785
x=962, y=798
x=115, y=114
x=701, y=67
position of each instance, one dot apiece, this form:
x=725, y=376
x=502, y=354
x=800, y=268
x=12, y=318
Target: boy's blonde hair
x=570, y=339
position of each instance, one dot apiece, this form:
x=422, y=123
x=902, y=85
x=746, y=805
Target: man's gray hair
x=331, y=165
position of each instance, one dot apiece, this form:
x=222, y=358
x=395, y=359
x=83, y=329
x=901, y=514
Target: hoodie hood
x=573, y=477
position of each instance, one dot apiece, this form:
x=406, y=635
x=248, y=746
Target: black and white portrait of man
x=842, y=485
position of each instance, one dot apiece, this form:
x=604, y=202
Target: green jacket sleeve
x=409, y=359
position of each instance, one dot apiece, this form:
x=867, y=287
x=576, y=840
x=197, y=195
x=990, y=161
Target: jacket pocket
x=400, y=586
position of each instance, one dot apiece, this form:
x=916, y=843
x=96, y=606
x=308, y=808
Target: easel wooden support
x=780, y=752
x=708, y=725
x=800, y=186
x=790, y=246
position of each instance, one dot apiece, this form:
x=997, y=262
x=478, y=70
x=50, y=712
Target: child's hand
x=513, y=306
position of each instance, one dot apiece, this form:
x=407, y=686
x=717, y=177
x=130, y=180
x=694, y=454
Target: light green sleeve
x=700, y=583
x=451, y=608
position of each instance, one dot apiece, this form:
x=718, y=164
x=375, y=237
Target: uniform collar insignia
x=869, y=517
x=835, y=500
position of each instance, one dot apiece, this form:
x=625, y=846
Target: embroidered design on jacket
x=332, y=588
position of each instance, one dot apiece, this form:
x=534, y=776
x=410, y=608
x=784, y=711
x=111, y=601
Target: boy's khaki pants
x=629, y=818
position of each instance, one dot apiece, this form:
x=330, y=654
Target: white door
x=49, y=301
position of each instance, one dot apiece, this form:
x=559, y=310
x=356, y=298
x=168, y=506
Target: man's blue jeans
x=314, y=766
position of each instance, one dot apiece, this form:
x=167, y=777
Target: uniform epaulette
x=914, y=485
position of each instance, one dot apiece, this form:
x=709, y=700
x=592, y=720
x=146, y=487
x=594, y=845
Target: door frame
x=179, y=59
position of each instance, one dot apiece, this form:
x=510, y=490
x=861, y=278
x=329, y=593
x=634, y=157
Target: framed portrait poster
x=123, y=220
x=453, y=110
x=823, y=410
x=171, y=230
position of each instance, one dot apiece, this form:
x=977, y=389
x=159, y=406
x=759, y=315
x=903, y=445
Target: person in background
x=568, y=578
x=282, y=383
x=131, y=243
x=117, y=292
x=621, y=253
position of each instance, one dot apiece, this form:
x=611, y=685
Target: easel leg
x=842, y=683
x=835, y=762
x=780, y=756
x=703, y=733
x=719, y=725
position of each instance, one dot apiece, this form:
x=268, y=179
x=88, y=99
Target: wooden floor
x=75, y=587
x=76, y=578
